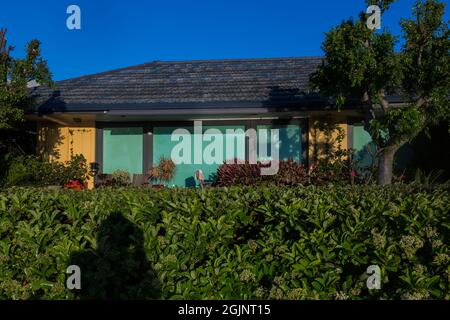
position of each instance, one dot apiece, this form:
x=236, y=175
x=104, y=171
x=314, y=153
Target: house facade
x=127, y=118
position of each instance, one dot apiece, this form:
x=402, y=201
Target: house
x=125, y=118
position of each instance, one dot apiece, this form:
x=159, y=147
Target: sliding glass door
x=123, y=149
x=136, y=148
x=204, y=152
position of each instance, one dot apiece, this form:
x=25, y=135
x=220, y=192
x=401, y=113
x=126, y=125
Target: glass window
x=288, y=142
x=123, y=149
x=185, y=172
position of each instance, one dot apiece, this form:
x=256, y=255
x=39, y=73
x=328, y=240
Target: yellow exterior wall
x=59, y=143
x=320, y=143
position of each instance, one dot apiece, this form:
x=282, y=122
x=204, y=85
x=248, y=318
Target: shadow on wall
x=49, y=142
x=324, y=139
x=49, y=136
x=366, y=161
x=289, y=143
x=118, y=268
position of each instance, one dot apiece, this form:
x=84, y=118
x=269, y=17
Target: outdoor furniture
x=208, y=182
x=102, y=179
x=141, y=180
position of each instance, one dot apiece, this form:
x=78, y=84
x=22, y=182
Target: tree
x=361, y=67
x=15, y=74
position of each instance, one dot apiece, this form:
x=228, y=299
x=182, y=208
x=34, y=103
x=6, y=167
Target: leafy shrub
x=246, y=174
x=26, y=170
x=290, y=173
x=427, y=179
x=334, y=164
x=338, y=171
x=121, y=178
x=243, y=173
x=226, y=243
x=17, y=171
x=77, y=168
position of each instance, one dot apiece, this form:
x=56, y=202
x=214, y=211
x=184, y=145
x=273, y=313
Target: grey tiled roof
x=187, y=84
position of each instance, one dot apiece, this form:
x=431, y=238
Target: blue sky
x=118, y=33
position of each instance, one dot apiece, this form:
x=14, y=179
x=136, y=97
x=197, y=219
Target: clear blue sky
x=119, y=33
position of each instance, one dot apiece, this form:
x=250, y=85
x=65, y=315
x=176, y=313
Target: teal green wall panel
x=184, y=173
x=122, y=149
x=289, y=145
x=365, y=149
x=162, y=147
x=363, y=146
x=209, y=170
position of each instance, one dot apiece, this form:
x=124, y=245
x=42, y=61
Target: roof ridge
x=240, y=59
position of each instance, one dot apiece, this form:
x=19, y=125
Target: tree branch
x=383, y=101
x=369, y=112
x=422, y=102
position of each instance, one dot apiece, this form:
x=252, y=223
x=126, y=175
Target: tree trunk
x=386, y=164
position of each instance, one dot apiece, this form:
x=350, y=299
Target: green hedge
x=29, y=170
x=243, y=243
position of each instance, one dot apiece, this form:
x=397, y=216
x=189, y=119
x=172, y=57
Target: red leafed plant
x=245, y=173
x=75, y=185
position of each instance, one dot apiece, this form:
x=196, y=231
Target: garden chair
x=141, y=180
x=102, y=179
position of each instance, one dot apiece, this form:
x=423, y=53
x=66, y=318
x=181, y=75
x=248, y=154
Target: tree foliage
x=363, y=68
x=15, y=74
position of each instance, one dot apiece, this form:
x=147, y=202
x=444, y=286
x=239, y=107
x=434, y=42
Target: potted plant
x=121, y=178
x=164, y=172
